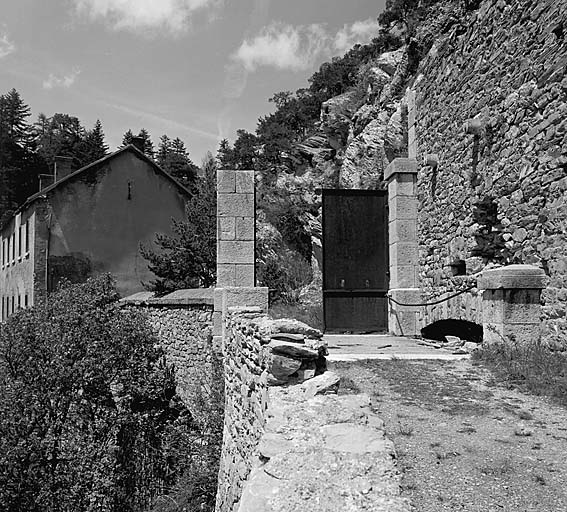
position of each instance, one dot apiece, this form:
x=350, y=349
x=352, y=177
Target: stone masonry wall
x=256, y=356
x=183, y=322
x=290, y=443
x=491, y=104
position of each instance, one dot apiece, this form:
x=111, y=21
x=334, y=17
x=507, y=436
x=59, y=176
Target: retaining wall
x=183, y=322
x=491, y=103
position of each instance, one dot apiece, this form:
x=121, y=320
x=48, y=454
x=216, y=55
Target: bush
x=89, y=416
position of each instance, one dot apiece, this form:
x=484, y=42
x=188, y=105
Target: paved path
x=354, y=347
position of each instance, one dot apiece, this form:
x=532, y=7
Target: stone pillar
x=235, y=246
x=511, y=303
x=401, y=176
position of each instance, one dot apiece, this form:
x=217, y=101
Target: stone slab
x=225, y=274
x=402, y=230
x=513, y=276
x=400, y=166
x=241, y=297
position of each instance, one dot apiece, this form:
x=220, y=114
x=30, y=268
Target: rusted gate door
x=355, y=260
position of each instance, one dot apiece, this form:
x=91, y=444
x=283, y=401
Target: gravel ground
x=463, y=442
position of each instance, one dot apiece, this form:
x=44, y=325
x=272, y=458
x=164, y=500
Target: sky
x=194, y=69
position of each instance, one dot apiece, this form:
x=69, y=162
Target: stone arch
x=464, y=329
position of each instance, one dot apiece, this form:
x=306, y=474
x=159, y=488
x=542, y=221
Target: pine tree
x=164, y=148
x=188, y=258
x=173, y=157
x=127, y=138
x=148, y=144
x=94, y=146
x=224, y=155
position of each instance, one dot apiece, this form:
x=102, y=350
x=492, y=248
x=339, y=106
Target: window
x=2, y=314
x=19, y=301
x=27, y=237
x=14, y=247
x=3, y=255
x=20, y=242
x=13, y=302
x=26, y=302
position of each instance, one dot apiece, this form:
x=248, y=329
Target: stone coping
x=400, y=166
x=188, y=297
x=512, y=277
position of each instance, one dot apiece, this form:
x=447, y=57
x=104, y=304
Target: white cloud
x=136, y=15
x=298, y=48
x=283, y=47
x=6, y=46
x=360, y=32
x=64, y=81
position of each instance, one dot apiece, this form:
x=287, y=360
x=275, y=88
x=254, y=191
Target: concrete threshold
x=359, y=347
x=362, y=357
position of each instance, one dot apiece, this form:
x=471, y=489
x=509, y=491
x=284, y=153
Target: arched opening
x=464, y=329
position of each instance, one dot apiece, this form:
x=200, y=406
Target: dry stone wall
x=491, y=104
x=258, y=352
x=290, y=443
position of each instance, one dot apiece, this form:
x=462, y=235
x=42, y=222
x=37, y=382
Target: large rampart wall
x=490, y=102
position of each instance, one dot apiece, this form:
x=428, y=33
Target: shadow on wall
x=76, y=268
x=464, y=329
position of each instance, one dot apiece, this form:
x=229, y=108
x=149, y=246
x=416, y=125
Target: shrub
x=89, y=416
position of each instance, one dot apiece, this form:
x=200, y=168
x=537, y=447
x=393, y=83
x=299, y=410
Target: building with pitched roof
x=85, y=223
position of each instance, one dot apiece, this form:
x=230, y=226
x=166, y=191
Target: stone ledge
x=513, y=277
x=188, y=297
x=325, y=453
x=400, y=166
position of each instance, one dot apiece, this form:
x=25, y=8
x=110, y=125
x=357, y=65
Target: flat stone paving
x=355, y=347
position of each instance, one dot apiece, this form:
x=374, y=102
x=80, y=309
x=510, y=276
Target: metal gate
x=355, y=260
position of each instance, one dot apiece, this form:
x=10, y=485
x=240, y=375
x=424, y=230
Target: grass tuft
x=531, y=367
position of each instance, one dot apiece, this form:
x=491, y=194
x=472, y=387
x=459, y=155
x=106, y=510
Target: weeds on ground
x=498, y=467
x=530, y=366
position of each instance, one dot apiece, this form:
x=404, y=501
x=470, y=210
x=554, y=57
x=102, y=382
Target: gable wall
x=99, y=219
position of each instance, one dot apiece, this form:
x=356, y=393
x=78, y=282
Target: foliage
x=173, y=157
x=148, y=144
x=88, y=413
x=187, y=259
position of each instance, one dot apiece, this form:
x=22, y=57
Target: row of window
x=13, y=247
x=13, y=303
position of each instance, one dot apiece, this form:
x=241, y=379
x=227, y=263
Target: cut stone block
x=244, y=275
x=400, y=166
x=226, y=182
x=403, y=276
x=227, y=228
x=402, y=207
x=244, y=181
x=513, y=276
x=235, y=252
x=245, y=227
x=403, y=185
x=402, y=230
x=225, y=275
x=240, y=297
x=235, y=205
x=403, y=254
